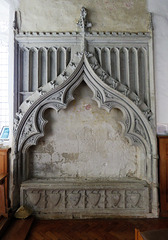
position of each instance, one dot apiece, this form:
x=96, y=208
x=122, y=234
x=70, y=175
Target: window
x=4, y=49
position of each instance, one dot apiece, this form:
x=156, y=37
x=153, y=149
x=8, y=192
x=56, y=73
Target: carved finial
x=72, y=65
x=83, y=23
x=79, y=54
x=88, y=54
x=19, y=114
x=126, y=90
x=15, y=124
x=114, y=83
x=103, y=76
x=29, y=103
x=64, y=75
x=53, y=84
x=148, y=113
x=94, y=66
x=137, y=101
x=41, y=92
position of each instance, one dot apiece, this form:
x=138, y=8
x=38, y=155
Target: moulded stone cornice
x=106, y=34
x=67, y=37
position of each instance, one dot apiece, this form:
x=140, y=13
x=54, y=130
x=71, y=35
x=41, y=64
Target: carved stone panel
x=90, y=199
x=74, y=199
x=54, y=199
x=134, y=199
x=115, y=199
x=35, y=198
x=95, y=199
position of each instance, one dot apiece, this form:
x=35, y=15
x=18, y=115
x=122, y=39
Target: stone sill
x=79, y=181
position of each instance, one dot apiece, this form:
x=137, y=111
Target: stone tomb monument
x=97, y=155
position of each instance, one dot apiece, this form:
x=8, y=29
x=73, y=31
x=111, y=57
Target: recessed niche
x=83, y=141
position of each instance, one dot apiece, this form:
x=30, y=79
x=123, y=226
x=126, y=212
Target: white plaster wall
x=83, y=141
x=14, y=4
x=105, y=15
x=160, y=24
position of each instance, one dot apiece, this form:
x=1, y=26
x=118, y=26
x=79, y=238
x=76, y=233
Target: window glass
x=4, y=41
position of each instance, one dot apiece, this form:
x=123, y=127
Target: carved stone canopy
x=31, y=123
x=106, y=96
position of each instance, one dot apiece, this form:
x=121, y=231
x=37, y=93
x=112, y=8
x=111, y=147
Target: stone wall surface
x=105, y=15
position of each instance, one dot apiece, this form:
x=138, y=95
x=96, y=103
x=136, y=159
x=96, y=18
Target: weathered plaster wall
x=83, y=141
x=106, y=15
